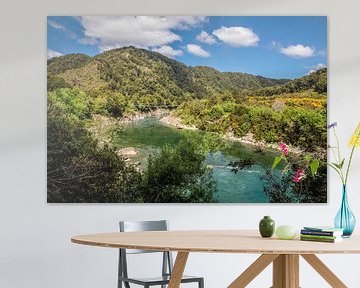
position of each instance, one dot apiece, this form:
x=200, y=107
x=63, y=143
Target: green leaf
x=277, y=161
x=342, y=163
x=308, y=158
x=339, y=166
x=314, y=167
x=333, y=167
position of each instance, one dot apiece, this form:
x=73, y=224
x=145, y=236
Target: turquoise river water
x=149, y=134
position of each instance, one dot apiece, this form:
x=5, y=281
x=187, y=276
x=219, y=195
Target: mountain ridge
x=114, y=66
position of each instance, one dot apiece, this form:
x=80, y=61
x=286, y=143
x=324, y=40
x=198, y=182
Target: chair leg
x=165, y=266
x=201, y=283
x=119, y=270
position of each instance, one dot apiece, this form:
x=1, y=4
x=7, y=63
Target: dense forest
x=293, y=113
x=146, y=77
x=127, y=81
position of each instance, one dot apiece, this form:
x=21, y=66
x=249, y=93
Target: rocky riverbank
x=127, y=152
x=101, y=126
x=248, y=139
x=158, y=113
x=174, y=121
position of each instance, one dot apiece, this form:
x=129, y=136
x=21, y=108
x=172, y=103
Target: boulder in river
x=127, y=152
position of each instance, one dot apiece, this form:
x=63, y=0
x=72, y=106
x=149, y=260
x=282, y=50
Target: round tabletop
x=219, y=241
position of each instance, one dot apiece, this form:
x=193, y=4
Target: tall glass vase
x=345, y=219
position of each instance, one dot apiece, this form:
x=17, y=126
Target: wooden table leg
x=324, y=271
x=286, y=271
x=279, y=271
x=293, y=264
x=178, y=269
x=253, y=270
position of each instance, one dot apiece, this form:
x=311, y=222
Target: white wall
x=35, y=248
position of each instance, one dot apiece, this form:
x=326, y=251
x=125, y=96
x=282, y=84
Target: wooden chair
x=167, y=263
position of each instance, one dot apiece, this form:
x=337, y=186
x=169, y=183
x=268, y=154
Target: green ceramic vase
x=267, y=227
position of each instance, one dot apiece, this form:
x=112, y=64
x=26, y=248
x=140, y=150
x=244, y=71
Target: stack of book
x=321, y=234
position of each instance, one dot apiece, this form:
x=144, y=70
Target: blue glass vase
x=345, y=219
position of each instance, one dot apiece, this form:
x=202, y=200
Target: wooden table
x=284, y=254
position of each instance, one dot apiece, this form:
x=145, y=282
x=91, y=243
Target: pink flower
x=284, y=148
x=300, y=174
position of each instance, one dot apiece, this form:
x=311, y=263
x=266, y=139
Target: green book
x=319, y=236
x=325, y=240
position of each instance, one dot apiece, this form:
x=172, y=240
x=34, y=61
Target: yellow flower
x=355, y=138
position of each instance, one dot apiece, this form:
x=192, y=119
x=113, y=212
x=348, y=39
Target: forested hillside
x=316, y=81
x=294, y=113
x=61, y=64
x=142, y=73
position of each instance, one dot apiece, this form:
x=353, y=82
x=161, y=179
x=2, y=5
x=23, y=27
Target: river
x=149, y=134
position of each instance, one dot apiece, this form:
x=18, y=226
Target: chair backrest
x=137, y=226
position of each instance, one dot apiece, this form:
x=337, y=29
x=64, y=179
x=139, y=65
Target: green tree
x=56, y=82
x=72, y=102
x=81, y=171
x=178, y=174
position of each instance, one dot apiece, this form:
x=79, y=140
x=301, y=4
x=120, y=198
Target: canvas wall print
x=186, y=109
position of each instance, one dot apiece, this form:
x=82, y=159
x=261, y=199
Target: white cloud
x=110, y=32
x=168, y=51
x=197, y=50
x=206, y=38
x=56, y=25
x=237, y=36
x=316, y=67
x=52, y=54
x=298, y=51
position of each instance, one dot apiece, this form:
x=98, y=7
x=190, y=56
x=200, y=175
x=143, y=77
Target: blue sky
x=270, y=46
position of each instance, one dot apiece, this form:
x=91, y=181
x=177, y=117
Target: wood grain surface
x=217, y=241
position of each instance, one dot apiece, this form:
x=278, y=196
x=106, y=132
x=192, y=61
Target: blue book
x=321, y=233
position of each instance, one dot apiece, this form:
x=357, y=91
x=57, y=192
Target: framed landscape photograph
x=186, y=109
